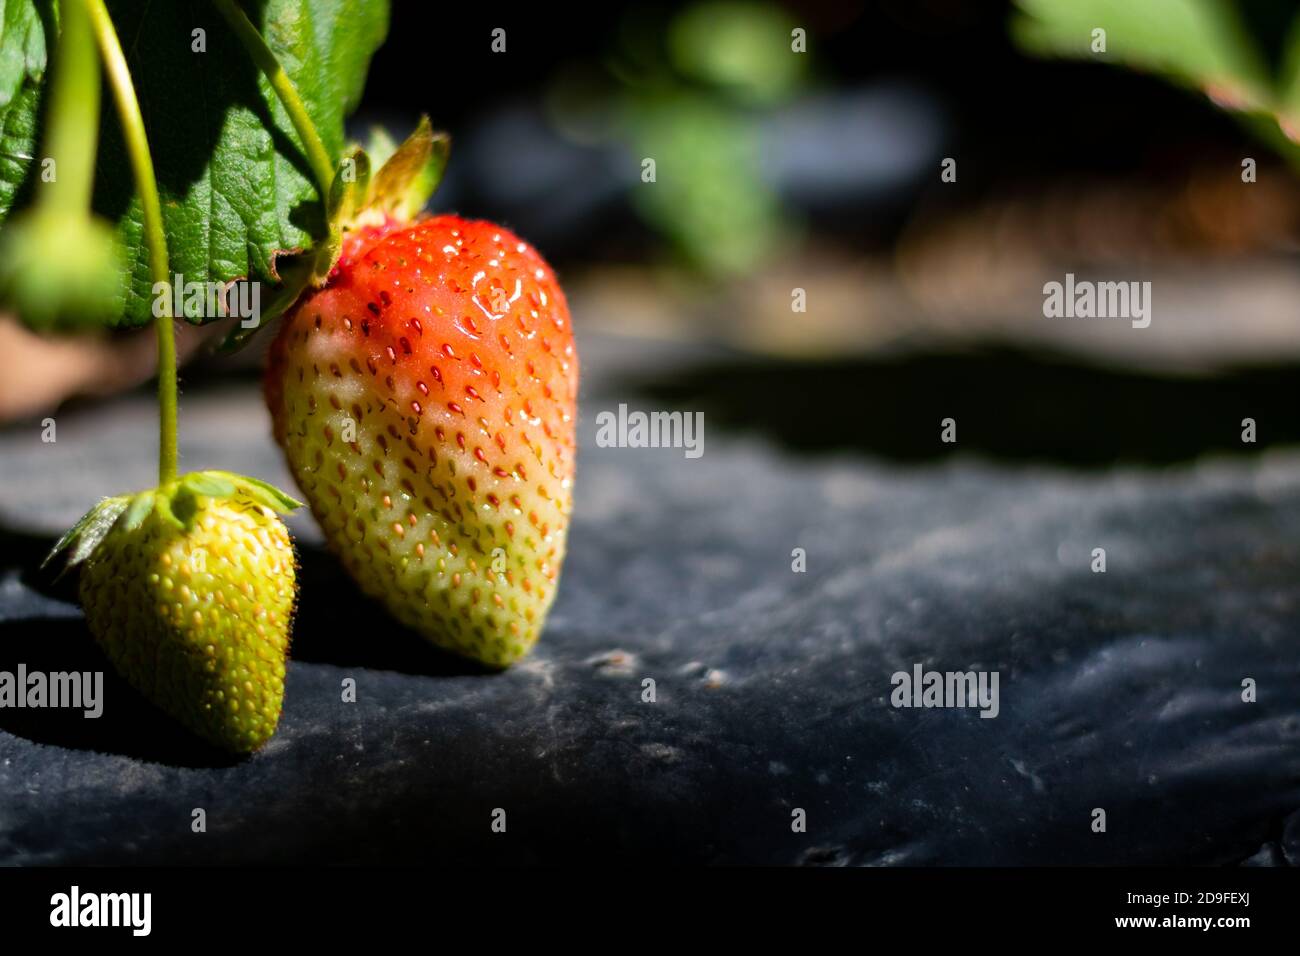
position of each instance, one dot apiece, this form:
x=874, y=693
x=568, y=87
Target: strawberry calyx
x=177, y=502
x=404, y=177
x=408, y=174
x=396, y=192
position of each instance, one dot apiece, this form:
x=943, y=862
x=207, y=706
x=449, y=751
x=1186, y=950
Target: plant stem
x=74, y=116
x=155, y=237
x=317, y=155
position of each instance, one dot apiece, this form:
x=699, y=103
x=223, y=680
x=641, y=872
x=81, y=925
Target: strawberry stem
x=317, y=155
x=74, y=116
x=155, y=236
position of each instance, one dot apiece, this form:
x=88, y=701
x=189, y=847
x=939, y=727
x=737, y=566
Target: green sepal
x=138, y=510
x=264, y=493
x=180, y=507
x=213, y=484
x=380, y=146
x=84, y=537
x=351, y=186
x=411, y=174
x=347, y=195
x=177, y=503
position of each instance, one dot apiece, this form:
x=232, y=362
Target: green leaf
x=22, y=52
x=22, y=69
x=1200, y=43
x=236, y=189
x=1203, y=44
x=1289, y=84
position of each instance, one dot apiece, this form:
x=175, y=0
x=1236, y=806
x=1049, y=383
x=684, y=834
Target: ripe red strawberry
x=425, y=399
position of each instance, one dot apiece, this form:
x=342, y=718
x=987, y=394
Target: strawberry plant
x=422, y=385
x=1216, y=47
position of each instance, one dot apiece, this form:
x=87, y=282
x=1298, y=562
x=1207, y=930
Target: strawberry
x=424, y=397
x=189, y=590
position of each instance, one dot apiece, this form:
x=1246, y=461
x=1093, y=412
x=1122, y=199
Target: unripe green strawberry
x=425, y=399
x=189, y=590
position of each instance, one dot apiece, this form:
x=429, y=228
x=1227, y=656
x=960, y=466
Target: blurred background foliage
x=820, y=170
x=1244, y=56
